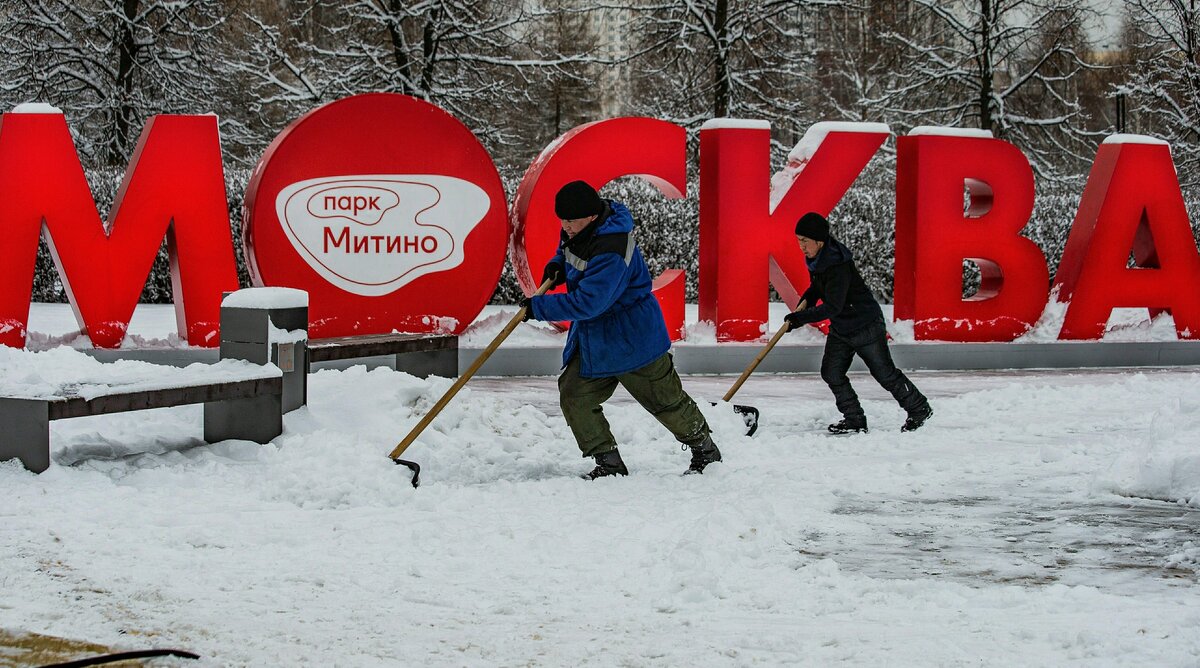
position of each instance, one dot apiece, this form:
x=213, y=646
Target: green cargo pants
x=655, y=386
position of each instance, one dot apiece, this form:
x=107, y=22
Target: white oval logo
x=371, y=235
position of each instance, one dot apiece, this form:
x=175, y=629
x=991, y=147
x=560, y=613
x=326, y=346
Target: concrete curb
x=732, y=358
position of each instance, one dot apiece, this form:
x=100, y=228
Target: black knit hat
x=814, y=226
x=577, y=200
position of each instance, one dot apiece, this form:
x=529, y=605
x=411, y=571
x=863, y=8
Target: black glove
x=527, y=304
x=554, y=270
x=797, y=319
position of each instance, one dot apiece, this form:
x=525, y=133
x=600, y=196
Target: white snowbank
x=51, y=373
x=36, y=108
x=944, y=131
x=266, y=298
x=1124, y=324
x=735, y=123
x=1165, y=463
x=974, y=541
x=1046, y=329
x=1134, y=139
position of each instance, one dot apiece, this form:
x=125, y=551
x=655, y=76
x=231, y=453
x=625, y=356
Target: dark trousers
x=869, y=343
x=655, y=386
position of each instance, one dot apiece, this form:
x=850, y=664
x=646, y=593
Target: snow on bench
x=241, y=400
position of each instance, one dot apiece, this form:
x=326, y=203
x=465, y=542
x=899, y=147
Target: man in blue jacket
x=617, y=332
x=856, y=326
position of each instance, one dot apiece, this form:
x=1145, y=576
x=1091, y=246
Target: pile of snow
x=39, y=375
x=1165, y=465
x=735, y=124
x=278, y=335
x=1187, y=558
x=815, y=135
x=1124, y=324
x=806, y=148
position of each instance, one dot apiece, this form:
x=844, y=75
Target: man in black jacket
x=856, y=326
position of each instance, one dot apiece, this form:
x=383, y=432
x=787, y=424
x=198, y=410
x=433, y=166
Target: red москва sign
x=391, y=215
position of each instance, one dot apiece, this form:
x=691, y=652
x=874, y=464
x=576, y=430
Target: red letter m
x=174, y=187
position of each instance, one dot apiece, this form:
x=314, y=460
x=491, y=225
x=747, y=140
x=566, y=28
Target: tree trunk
x=986, y=73
x=127, y=51
x=558, y=111
x=429, y=48
x=721, y=83
x=399, y=53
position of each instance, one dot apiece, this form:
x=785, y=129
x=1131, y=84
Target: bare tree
x=110, y=63
x=572, y=85
x=858, y=55
x=717, y=58
x=274, y=78
x=491, y=63
x=1006, y=66
x=1163, y=79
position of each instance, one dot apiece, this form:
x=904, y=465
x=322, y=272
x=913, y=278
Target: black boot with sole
x=607, y=464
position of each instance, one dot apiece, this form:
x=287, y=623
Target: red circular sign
x=386, y=209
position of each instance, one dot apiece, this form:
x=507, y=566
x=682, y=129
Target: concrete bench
x=260, y=376
x=259, y=327
x=249, y=409
x=419, y=354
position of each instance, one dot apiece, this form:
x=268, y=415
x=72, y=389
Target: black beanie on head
x=814, y=226
x=577, y=200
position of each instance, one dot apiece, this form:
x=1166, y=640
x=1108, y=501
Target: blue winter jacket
x=616, y=324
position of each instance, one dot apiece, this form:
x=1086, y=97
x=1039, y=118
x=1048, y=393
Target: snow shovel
x=458, y=385
x=749, y=413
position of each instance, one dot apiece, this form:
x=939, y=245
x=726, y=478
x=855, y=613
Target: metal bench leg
x=25, y=432
x=258, y=419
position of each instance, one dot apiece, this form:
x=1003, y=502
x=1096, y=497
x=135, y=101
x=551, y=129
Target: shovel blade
x=749, y=416
x=414, y=467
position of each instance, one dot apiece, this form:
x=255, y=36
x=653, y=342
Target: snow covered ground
x=1009, y=531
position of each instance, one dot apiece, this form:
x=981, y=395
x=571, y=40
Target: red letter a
x=1132, y=201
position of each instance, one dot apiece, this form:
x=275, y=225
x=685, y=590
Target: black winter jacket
x=845, y=299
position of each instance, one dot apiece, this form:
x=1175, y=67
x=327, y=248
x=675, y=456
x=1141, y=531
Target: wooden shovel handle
x=761, y=355
x=462, y=380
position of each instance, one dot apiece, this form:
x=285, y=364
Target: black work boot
x=854, y=425
x=917, y=418
x=607, y=463
x=703, y=453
